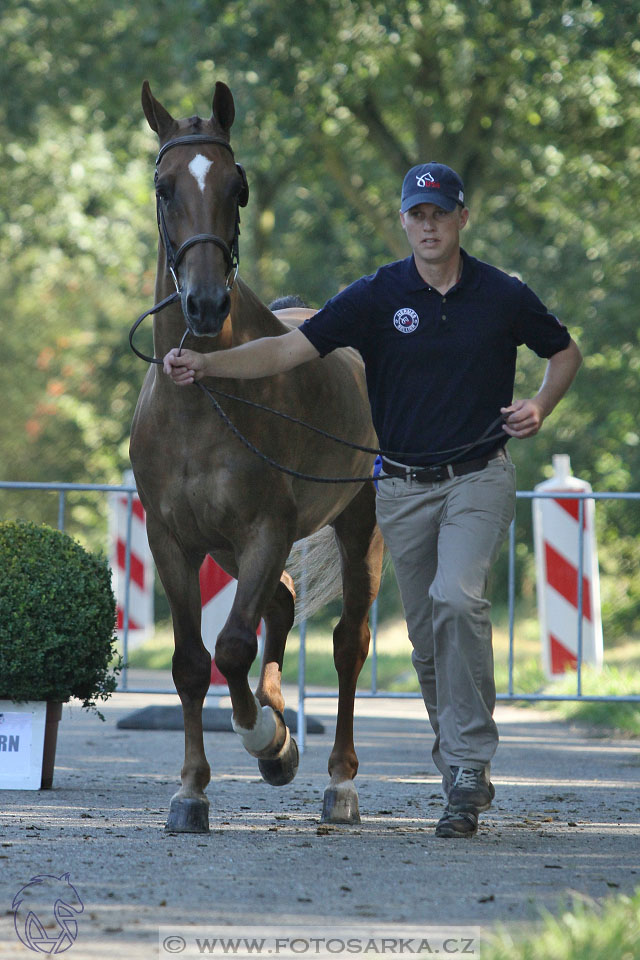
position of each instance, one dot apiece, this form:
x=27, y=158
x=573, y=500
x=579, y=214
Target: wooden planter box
x=28, y=737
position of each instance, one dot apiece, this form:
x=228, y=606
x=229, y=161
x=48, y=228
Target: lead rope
x=210, y=391
x=354, y=446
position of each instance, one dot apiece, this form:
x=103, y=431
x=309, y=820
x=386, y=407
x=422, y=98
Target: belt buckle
x=426, y=474
x=433, y=474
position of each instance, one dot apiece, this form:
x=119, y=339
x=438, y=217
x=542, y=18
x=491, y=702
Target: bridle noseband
x=230, y=251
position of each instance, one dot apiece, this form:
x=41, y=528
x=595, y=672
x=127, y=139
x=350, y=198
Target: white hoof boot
x=258, y=738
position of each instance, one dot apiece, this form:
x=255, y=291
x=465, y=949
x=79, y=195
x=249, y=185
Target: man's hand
x=185, y=368
x=248, y=361
x=522, y=419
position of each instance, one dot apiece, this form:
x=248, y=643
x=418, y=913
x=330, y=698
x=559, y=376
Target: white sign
x=21, y=744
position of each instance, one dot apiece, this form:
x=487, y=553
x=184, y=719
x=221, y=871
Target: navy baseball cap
x=432, y=183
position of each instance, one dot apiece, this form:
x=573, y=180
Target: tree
x=535, y=105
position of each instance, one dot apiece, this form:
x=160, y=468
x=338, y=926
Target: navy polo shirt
x=439, y=367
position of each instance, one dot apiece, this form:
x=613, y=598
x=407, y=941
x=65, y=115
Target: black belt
x=440, y=471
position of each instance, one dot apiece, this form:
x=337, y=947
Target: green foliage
x=610, y=681
x=586, y=932
x=57, y=618
x=535, y=103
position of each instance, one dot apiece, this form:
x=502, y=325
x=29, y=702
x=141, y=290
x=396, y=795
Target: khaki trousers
x=443, y=539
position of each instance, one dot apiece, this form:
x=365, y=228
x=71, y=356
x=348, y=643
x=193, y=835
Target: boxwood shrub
x=57, y=618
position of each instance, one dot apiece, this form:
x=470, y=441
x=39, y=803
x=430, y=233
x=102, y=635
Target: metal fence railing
x=511, y=695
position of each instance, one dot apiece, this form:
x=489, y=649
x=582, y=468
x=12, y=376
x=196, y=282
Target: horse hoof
x=282, y=768
x=340, y=803
x=188, y=815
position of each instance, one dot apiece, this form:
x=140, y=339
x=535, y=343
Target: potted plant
x=57, y=619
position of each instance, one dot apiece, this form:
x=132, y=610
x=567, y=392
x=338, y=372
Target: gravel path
x=565, y=822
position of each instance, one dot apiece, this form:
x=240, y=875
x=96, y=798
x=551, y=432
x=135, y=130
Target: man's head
x=432, y=183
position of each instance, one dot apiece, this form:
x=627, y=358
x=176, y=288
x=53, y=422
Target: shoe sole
x=467, y=823
x=446, y=833
x=469, y=807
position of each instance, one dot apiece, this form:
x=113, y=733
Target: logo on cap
x=424, y=178
x=406, y=320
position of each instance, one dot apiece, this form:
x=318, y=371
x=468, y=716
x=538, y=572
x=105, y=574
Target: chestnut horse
x=204, y=492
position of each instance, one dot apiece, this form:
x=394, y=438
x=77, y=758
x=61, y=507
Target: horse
x=205, y=492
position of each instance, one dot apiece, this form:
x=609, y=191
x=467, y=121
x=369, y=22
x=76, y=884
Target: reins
x=210, y=391
x=156, y=308
x=232, y=257
x=464, y=448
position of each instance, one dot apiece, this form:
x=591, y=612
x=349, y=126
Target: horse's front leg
x=278, y=617
x=191, y=669
x=259, y=721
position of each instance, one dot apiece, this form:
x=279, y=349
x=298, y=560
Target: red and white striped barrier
x=141, y=566
x=217, y=592
x=217, y=588
x=556, y=530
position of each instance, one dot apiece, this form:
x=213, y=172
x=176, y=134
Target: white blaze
x=198, y=168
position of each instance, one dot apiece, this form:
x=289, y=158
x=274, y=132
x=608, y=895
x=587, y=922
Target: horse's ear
x=158, y=118
x=223, y=107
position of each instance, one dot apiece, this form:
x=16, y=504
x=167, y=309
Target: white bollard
x=141, y=568
x=556, y=538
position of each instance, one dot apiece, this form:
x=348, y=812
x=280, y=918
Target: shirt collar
x=469, y=280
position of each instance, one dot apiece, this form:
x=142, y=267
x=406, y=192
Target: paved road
x=566, y=821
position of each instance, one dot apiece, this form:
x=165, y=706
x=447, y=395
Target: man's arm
x=258, y=358
x=525, y=417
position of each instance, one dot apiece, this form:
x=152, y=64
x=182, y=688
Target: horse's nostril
x=192, y=306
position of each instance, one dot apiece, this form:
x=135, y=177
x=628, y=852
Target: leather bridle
x=231, y=250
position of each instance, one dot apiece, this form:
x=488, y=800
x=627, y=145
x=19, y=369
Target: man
x=439, y=334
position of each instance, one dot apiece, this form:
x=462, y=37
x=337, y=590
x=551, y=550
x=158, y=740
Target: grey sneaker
x=463, y=824
x=470, y=790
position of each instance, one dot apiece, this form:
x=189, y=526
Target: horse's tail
x=314, y=565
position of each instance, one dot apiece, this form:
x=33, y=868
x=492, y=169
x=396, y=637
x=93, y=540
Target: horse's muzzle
x=205, y=309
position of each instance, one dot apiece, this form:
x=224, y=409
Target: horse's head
x=199, y=189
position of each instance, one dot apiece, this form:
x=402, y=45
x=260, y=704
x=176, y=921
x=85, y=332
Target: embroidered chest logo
x=406, y=320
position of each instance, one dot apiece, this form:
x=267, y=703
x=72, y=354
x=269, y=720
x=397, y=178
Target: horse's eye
x=163, y=192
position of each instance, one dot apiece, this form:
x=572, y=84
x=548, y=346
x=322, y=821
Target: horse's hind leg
x=361, y=549
x=191, y=669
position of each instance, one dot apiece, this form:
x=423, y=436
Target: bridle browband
x=231, y=251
